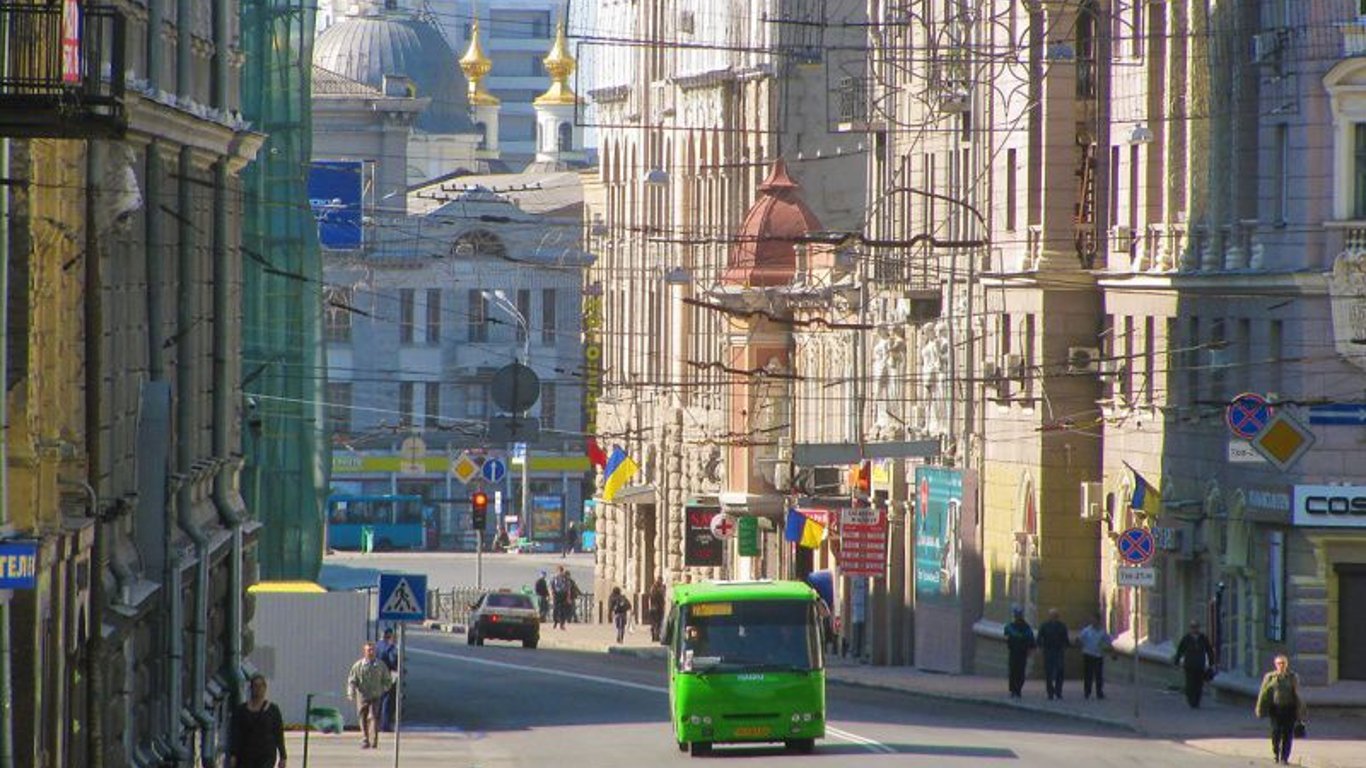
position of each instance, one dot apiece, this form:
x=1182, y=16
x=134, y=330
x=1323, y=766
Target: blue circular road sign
x=1248, y=414
x=1136, y=545
x=494, y=470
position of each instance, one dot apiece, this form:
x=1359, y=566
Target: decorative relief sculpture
x=1347, y=287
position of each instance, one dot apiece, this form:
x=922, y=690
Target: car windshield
x=508, y=601
x=752, y=635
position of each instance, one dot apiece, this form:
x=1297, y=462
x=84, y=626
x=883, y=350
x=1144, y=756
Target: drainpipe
x=94, y=716
x=186, y=446
x=224, y=419
x=6, y=689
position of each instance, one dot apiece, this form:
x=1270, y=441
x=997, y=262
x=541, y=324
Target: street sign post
x=1136, y=576
x=402, y=598
x=464, y=468
x=494, y=470
x=1248, y=414
x=1136, y=545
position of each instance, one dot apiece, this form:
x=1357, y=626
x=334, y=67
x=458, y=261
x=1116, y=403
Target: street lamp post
x=501, y=300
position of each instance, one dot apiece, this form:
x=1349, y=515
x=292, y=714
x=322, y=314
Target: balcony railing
x=56, y=84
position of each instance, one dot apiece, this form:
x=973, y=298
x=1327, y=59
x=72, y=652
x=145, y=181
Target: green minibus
x=746, y=664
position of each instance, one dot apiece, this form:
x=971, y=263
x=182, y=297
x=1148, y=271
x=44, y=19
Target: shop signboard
x=701, y=549
x=863, y=541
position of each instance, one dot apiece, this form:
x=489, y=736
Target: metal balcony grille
x=54, y=85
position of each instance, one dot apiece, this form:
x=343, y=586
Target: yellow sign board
x=1283, y=441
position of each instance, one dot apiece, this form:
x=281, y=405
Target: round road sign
x=1248, y=414
x=515, y=388
x=722, y=527
x=1136, y=545
x=494, y=470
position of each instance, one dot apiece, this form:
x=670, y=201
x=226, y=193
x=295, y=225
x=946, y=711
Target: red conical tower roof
x=765, y=252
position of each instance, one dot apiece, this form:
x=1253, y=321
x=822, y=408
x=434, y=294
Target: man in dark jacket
x=1195, y=654
x=1019, y=642
x=1053, y=641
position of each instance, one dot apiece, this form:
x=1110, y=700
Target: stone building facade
x=1159, y=211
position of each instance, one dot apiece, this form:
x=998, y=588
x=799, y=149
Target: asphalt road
x=501, y=705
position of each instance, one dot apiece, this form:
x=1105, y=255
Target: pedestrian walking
x=257, y=738
x=571, y=540
x=655, y=608
x=542, y=589
x=1019, y=642
x=1280, y=699
x=386, y=650
x=1053, y=641
x=559, y=597
x=572, y=610
x=365, y=685
x=620, y=610
x=1095, y=643
x=1195, y=654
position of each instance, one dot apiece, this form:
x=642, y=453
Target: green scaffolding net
x=283, y=366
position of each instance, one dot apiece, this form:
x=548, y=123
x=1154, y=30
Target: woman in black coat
x=258, y=731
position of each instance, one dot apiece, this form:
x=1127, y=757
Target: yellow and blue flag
x=1146, y=499
x=618, y=472
x=803, y=530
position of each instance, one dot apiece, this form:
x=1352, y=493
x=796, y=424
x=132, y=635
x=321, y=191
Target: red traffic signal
x=479, y=500
x=479, y=505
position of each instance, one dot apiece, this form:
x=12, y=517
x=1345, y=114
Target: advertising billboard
x=938, y=544
x=701, y=548
x=334, y=193
x=547, y=518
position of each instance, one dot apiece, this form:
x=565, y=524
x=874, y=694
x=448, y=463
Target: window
x=1149, y=360
x=1359, y=173
x=337, y=314
x=1283, y=173
x=1126, y=380
x=1275, y=349
x=523, y=308
x=406, y=392
x=1029, y=357
x=431, y=405
x=549, y=405
x=339, y=407
x=1011, y=180
x=433, y=315
x=405, y=315
x=548, y=316
x=477, y=400
x=478, y=317
x=565, y=139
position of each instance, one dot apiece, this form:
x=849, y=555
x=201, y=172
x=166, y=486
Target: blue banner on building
x=334, y=194
x=938, y=513
x=18, y=564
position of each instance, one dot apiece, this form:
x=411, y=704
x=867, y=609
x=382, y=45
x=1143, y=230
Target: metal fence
x=452, y=606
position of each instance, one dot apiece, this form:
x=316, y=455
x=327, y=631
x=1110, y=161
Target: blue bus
x=397, y=521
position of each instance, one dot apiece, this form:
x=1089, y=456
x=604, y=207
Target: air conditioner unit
x=1092, y=501
x=1015, y=367
x=1266, y=46
x=1083, y=360
x=1121, y=238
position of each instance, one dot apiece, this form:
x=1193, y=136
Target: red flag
x=596, y=455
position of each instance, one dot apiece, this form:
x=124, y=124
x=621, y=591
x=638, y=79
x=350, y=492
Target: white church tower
x=559, y=140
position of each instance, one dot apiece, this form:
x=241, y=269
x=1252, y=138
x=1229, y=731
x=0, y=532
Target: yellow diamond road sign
x=1283, y=441
x=464, y=468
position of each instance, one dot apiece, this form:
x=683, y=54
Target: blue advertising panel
x=18, y=564
x=938, y=518
x=334, y=194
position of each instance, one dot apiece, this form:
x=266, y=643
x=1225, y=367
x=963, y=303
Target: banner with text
x=863, y=541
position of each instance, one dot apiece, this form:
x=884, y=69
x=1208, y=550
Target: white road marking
x=831, y=731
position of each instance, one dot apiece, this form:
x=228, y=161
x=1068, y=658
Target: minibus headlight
x=695, y=720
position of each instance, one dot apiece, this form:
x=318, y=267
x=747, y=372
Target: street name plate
x=1137, y=577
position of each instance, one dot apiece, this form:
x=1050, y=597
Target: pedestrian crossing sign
x=402, y=597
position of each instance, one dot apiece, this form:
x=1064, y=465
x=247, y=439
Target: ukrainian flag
x=803, y=530
x=618, y=472
x=1146, y=498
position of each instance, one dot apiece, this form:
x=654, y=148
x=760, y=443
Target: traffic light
x=479, y=510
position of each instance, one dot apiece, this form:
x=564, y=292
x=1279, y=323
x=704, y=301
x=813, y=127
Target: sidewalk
x=1337, y=737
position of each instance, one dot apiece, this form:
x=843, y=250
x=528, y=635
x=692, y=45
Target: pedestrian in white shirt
x=1095, y=643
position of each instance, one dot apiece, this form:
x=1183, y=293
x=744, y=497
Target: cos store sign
x=1330, y=506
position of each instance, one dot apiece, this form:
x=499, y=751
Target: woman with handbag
x=1280, y=699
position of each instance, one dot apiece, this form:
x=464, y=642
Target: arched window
x=565, y=139
x=478, y=243
x=483, y=131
